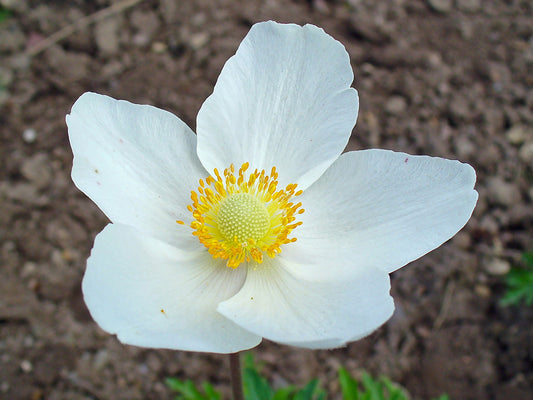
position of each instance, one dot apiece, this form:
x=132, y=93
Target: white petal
x=279, y=303
x=137, y=163
x=153, y=295
x=284, y=100
x=386, y=209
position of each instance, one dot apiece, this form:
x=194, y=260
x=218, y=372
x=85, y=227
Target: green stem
x=236, y=376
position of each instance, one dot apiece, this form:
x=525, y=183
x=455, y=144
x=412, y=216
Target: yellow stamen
x=241, y=218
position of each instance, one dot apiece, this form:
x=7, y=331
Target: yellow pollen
x=242, y=217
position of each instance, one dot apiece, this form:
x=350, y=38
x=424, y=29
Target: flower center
x=240, y=218
x=243, y=216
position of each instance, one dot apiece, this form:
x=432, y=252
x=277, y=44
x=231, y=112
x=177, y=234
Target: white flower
x=240, y=259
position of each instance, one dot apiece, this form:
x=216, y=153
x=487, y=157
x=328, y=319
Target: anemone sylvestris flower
x=257, y=226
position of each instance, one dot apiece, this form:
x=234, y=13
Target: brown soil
x=449, y=78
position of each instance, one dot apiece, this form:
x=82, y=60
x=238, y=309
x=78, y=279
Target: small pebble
x=29, y=341
x=462, y=240
x=396, y=105
x=526, y=153
x=143, y=369
x=199, y=40
x=159, y=47
x=465, y=147
x=101, y=359
x=469, y=5
x=489, y=225
x=517, y=134
x=36, y=169
x=29, y=135
x=441, y=6
x=20, y=6
x=503, y=193
x=497, y=266
x=4, y=387
x=12, y=37
x=28, y=269
x=482, y=291
x=26, y=366
x=107, y=35
x=145, y=23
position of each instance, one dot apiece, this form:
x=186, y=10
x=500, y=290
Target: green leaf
x=211, y=392
x=527, y=257
x=4, y=14
x=285, y=393
x=395, y=391
x=255, y=386
x=248, y=361
x=373, y=388
x=311, y=391
x=519, y=282
x=442, y=397
x=349, y=386
x=187, y=390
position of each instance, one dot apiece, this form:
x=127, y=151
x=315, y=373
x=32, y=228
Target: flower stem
x=236, y=376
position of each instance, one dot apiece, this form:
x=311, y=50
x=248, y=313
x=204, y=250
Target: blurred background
x=448, y=78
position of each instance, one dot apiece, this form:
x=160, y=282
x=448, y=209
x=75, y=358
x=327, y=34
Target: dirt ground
x=449, y=78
